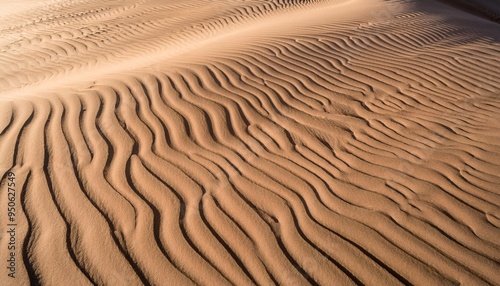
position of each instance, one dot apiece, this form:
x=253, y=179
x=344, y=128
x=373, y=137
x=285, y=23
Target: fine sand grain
x=258, y=142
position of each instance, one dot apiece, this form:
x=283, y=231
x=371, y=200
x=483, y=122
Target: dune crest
x=252, y=142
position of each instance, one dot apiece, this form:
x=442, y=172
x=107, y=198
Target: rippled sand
x=335, y=142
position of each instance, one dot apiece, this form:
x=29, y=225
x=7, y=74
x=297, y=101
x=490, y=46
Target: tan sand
x=334, y=142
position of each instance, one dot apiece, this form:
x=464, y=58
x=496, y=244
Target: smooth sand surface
x=335, y=142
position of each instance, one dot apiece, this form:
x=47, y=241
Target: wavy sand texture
x=349, y=142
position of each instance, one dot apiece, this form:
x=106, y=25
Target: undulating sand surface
x=258, y=142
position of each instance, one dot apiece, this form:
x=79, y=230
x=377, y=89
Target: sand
x=259, y=142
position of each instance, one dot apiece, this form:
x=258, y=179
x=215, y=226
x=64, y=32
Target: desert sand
x=258, y=142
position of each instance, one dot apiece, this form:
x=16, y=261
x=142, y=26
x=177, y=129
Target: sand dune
x=482, y=8
x=349, y=142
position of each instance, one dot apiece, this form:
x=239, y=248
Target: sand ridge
x=251, y=143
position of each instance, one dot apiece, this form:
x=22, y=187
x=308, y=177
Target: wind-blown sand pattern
x=287, y=142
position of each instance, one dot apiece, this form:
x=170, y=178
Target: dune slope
x=284, y=142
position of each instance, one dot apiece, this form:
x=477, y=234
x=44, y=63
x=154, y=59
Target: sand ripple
x=254, y=142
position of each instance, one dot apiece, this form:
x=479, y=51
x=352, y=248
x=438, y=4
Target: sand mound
x=249, y=142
